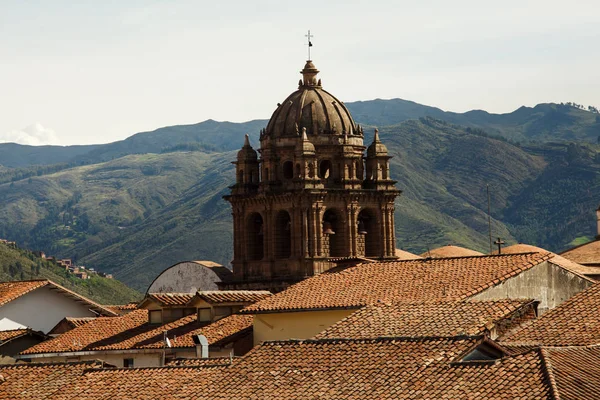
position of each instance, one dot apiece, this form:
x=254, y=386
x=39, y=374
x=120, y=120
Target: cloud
x=33, y=135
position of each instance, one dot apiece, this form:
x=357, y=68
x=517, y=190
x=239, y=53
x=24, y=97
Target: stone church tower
x=312, y=198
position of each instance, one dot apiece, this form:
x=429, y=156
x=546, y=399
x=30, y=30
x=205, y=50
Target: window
x=204, y=315
x=172, y=314
x=288, y=170
x=128, y=362
x=324, y=169
x=155, y=317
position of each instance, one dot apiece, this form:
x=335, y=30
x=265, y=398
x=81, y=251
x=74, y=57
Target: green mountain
x=136, y=215
x=17, y=264
x=544, y=122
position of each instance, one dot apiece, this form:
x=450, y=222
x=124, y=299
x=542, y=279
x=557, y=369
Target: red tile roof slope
x=399, y=281
x=12, y=334
x=169, y=383
x=575, y=371
x=122, y=308
x=400, y=368
x=446, y=318
x=232, y=296
x=10, y=291
x=40, y=381
x=132, y=331
x=576, y=322
x=170, y=299
x=588, y=253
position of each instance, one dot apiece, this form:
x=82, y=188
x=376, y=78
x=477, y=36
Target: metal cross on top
x=309, y=42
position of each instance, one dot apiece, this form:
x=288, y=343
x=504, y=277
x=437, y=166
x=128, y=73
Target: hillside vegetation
x=17, y=264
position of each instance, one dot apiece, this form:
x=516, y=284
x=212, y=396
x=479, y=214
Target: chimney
x=201, y=346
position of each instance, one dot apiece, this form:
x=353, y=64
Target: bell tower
x=312, y=199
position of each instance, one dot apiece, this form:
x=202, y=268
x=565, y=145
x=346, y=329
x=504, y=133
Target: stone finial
x=247, y=141
x=304, y=137
x=376, y=136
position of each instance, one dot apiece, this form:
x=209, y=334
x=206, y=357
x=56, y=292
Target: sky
x=83, y=72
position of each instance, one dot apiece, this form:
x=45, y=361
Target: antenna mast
x=489, y=216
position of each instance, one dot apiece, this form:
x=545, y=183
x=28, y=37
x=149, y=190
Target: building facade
x=312, y=197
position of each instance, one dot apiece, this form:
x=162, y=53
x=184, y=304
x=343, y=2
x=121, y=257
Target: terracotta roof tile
x=122, y=308
x=132, y=331
x=12, y=334
x=10, y=291
x=572, y=323
x=399, y=281
x=588, y=253
x=233, y=296
x=405, y=255
x=170, y=299
x=171, y=382
x=424, y=319
x=393, y=368
x=40, y=381
x=574, y=371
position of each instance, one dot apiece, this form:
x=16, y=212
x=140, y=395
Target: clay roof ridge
x=379, y=339
x=54, y=363
x=548, y=372
x=164, y=367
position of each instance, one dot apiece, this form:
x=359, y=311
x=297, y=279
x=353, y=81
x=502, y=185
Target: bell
x=361, y=228
x=327, y=229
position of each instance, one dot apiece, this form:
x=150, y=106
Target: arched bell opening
x=255, y=243
x=283, y=235
x=368, y=228
x=334, y=231
x=241, y=176
x=324, y=169
x=288, y=170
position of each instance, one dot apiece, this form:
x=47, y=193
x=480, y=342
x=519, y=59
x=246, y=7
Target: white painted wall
x=42, y=309
x=139, y=360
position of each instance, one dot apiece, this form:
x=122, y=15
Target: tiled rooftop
x=132, y=331
x=233, y=296
x=394, y=368
x=575, y=371
x=399, y=281
x=424, y=319
x=572, y=323
x=588, y=253
x=12, y=334
x=40, y=381
x=10, y=291
x=170, y=299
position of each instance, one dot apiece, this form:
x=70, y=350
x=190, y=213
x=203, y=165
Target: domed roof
x=450, y=251
x=312, y=108
x=521, y=248
x=377, y=148
x=247, y=152
x=404, y=255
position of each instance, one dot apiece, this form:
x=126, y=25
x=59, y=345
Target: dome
x=312, y=108
x=450, y=251
x=247, y=152
x=377, y=148
x=521, y=248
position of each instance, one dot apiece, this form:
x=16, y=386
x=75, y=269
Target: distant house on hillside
x=41, y=304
